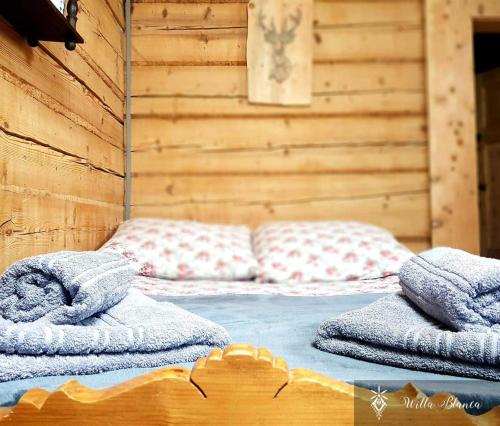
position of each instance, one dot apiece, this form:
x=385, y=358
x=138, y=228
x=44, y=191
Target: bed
x=249, y=382
x=281, y=324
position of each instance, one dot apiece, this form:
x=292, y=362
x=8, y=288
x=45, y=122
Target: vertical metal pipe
x=128, y=105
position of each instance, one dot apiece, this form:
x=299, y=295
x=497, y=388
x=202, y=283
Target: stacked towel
x=457, y=292
x=73, y=313
x=394, y=331
x=457, y=288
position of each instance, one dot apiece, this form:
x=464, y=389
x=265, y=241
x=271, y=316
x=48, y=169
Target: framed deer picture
x=279, y=51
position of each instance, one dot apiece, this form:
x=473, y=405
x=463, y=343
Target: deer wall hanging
x=279, y=40
x=279, y=51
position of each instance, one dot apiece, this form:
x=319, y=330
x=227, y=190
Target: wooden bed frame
x=239, y=386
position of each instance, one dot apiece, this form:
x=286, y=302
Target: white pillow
x=184, y=250
x=326, y=251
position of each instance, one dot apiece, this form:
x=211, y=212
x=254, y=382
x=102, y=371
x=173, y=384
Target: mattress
x=160, y=287
x=286, y=326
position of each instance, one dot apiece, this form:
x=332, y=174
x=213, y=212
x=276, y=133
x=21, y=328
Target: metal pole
x=128, y=115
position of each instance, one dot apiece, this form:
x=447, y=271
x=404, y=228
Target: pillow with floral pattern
x=186, y=250
x=326, y=251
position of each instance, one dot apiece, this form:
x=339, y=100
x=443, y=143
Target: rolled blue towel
x=64, y=287
x=457, y=288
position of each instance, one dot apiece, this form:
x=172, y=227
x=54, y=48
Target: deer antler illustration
x=282, y=66
x=296, y=19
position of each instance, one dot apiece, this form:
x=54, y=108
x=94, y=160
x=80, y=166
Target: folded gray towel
x=74, y=313
x=64, y=287
x=137, y=332
x=455, y=287
x=394, y=331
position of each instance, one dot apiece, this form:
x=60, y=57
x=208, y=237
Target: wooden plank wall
x=61, y=137
x=452, y=117
x=201, y=151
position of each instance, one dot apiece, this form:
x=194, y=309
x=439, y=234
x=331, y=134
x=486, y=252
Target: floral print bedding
x=159, y=287
x=326, y=251
x=184, y=250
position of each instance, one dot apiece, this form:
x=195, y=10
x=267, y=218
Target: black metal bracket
x=40, y=20
x=72, y=10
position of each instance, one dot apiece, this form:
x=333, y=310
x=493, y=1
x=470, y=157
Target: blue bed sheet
x=285, y=325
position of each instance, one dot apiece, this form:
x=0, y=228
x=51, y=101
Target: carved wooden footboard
x=239, y=386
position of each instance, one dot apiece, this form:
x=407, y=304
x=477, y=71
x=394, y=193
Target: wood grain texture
x=33, y=222
x=196, y=159
x=238, y=385
x=416, y=244
x=22, y=115
x=61, y=138
x=452, y=128
x=232, y=14
x=108, y=91
x=291, y=197
x=148, y=133
x=34, y=166
x=231, y=81
x=358, y=104
x=228, y=46
x=273, y=188
x=202, y=152
x=404, y=215
x=117, y=8
x=40, y=74
x=104, y=44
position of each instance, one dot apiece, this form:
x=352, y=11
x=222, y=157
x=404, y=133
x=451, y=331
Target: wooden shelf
x=39, y=20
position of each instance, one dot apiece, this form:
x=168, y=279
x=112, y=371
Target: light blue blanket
x=457, y=288
x=84, y=327
x=285, y=325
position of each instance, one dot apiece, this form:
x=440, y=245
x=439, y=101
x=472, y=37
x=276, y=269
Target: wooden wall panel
x=61, y=137
x=404, y=214
x=335, y=79
x=322, y=106
x=452, y=118
x=282, y=159
x=223, y=14
x=216, y=132
x=201, y=151
x=228, y=46
x=279, y=189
